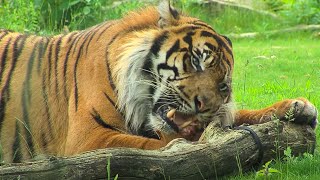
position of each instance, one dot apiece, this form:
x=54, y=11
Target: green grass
x=305, y=168
x=273, y=69
x=269, y=70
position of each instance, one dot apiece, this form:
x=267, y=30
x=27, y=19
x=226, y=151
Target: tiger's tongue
x=189, y=126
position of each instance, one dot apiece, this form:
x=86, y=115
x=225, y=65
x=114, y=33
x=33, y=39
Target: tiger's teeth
x=171, y=113
x=186, y=124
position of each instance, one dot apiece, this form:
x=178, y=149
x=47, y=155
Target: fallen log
x=220, y=152
x=312, y=27
x=238, y=6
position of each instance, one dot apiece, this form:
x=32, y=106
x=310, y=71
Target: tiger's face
x=173, y=74
x=193, y=80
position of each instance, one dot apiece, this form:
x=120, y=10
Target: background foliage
x=52, y=16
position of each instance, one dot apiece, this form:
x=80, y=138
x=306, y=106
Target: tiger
x=141, y=81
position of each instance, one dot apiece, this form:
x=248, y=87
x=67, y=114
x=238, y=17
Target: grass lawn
x=269, y=70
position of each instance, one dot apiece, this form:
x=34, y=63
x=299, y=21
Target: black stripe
x=94, y=31
x=164, y=66
x=78, y=39
x=108, y=64
x=76, y=69
x=155, y=48
x=71, y=35
x=87, y=38
x=65, y=66
x=188, y=40
x=185, y=29
x=50, y=63
x=4, y=59
x=3, y=99
x=145, y=131
x=96, y=116
x=173, y=49
x=76, y=97
x=185, y=58
x=220, y=43
x=56, y=60
x=110, y=75
x=3, y=35
x=42, y=49
x=27, y=126
x=200, y=23
x=158, y=42
x=108, y=25
x=44, y=141
x=45, y=100
x=111, y=82
x=16, y=148
x=26, y=100
x=28, y=77
x=174, y=13
x=89, y=42
x=16, y=53
x=229, y=40
x=3, y=102
x=210, y=46
x=5, y=92
x=113, y=103
x=152, y=88
x=110, y=100
x=218, y=39
x=75, y=78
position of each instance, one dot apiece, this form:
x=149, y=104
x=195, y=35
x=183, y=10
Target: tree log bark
x=220, y=152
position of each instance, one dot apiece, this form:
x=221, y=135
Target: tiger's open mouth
x=187, y=125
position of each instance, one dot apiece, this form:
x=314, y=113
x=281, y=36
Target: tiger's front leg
x=99, y=129
x=86, y=137
x=299, y=110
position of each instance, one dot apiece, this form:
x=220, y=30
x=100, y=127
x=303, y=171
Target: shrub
x=76, y=14
x=19, y=15
x=296, y=11
x=303, y=12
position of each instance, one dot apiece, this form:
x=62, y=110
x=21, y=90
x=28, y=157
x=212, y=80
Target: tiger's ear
x=168, y=15
x=229, y=40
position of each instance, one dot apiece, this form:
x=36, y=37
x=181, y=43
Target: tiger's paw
x=301, y=111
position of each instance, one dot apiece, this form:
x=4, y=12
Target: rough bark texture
x=219, y=153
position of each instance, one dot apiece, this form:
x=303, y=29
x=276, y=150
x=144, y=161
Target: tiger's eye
x=223, y=87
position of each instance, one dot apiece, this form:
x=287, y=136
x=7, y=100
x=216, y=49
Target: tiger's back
x=40, y=88
x=27, y=105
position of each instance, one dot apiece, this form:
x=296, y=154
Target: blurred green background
x=51, y=16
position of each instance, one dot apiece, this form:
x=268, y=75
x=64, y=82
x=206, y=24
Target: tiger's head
x=178, y=78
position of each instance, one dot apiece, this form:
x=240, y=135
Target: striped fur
x=102, y=87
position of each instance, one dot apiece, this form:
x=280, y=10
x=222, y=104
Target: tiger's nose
x=199, y=103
